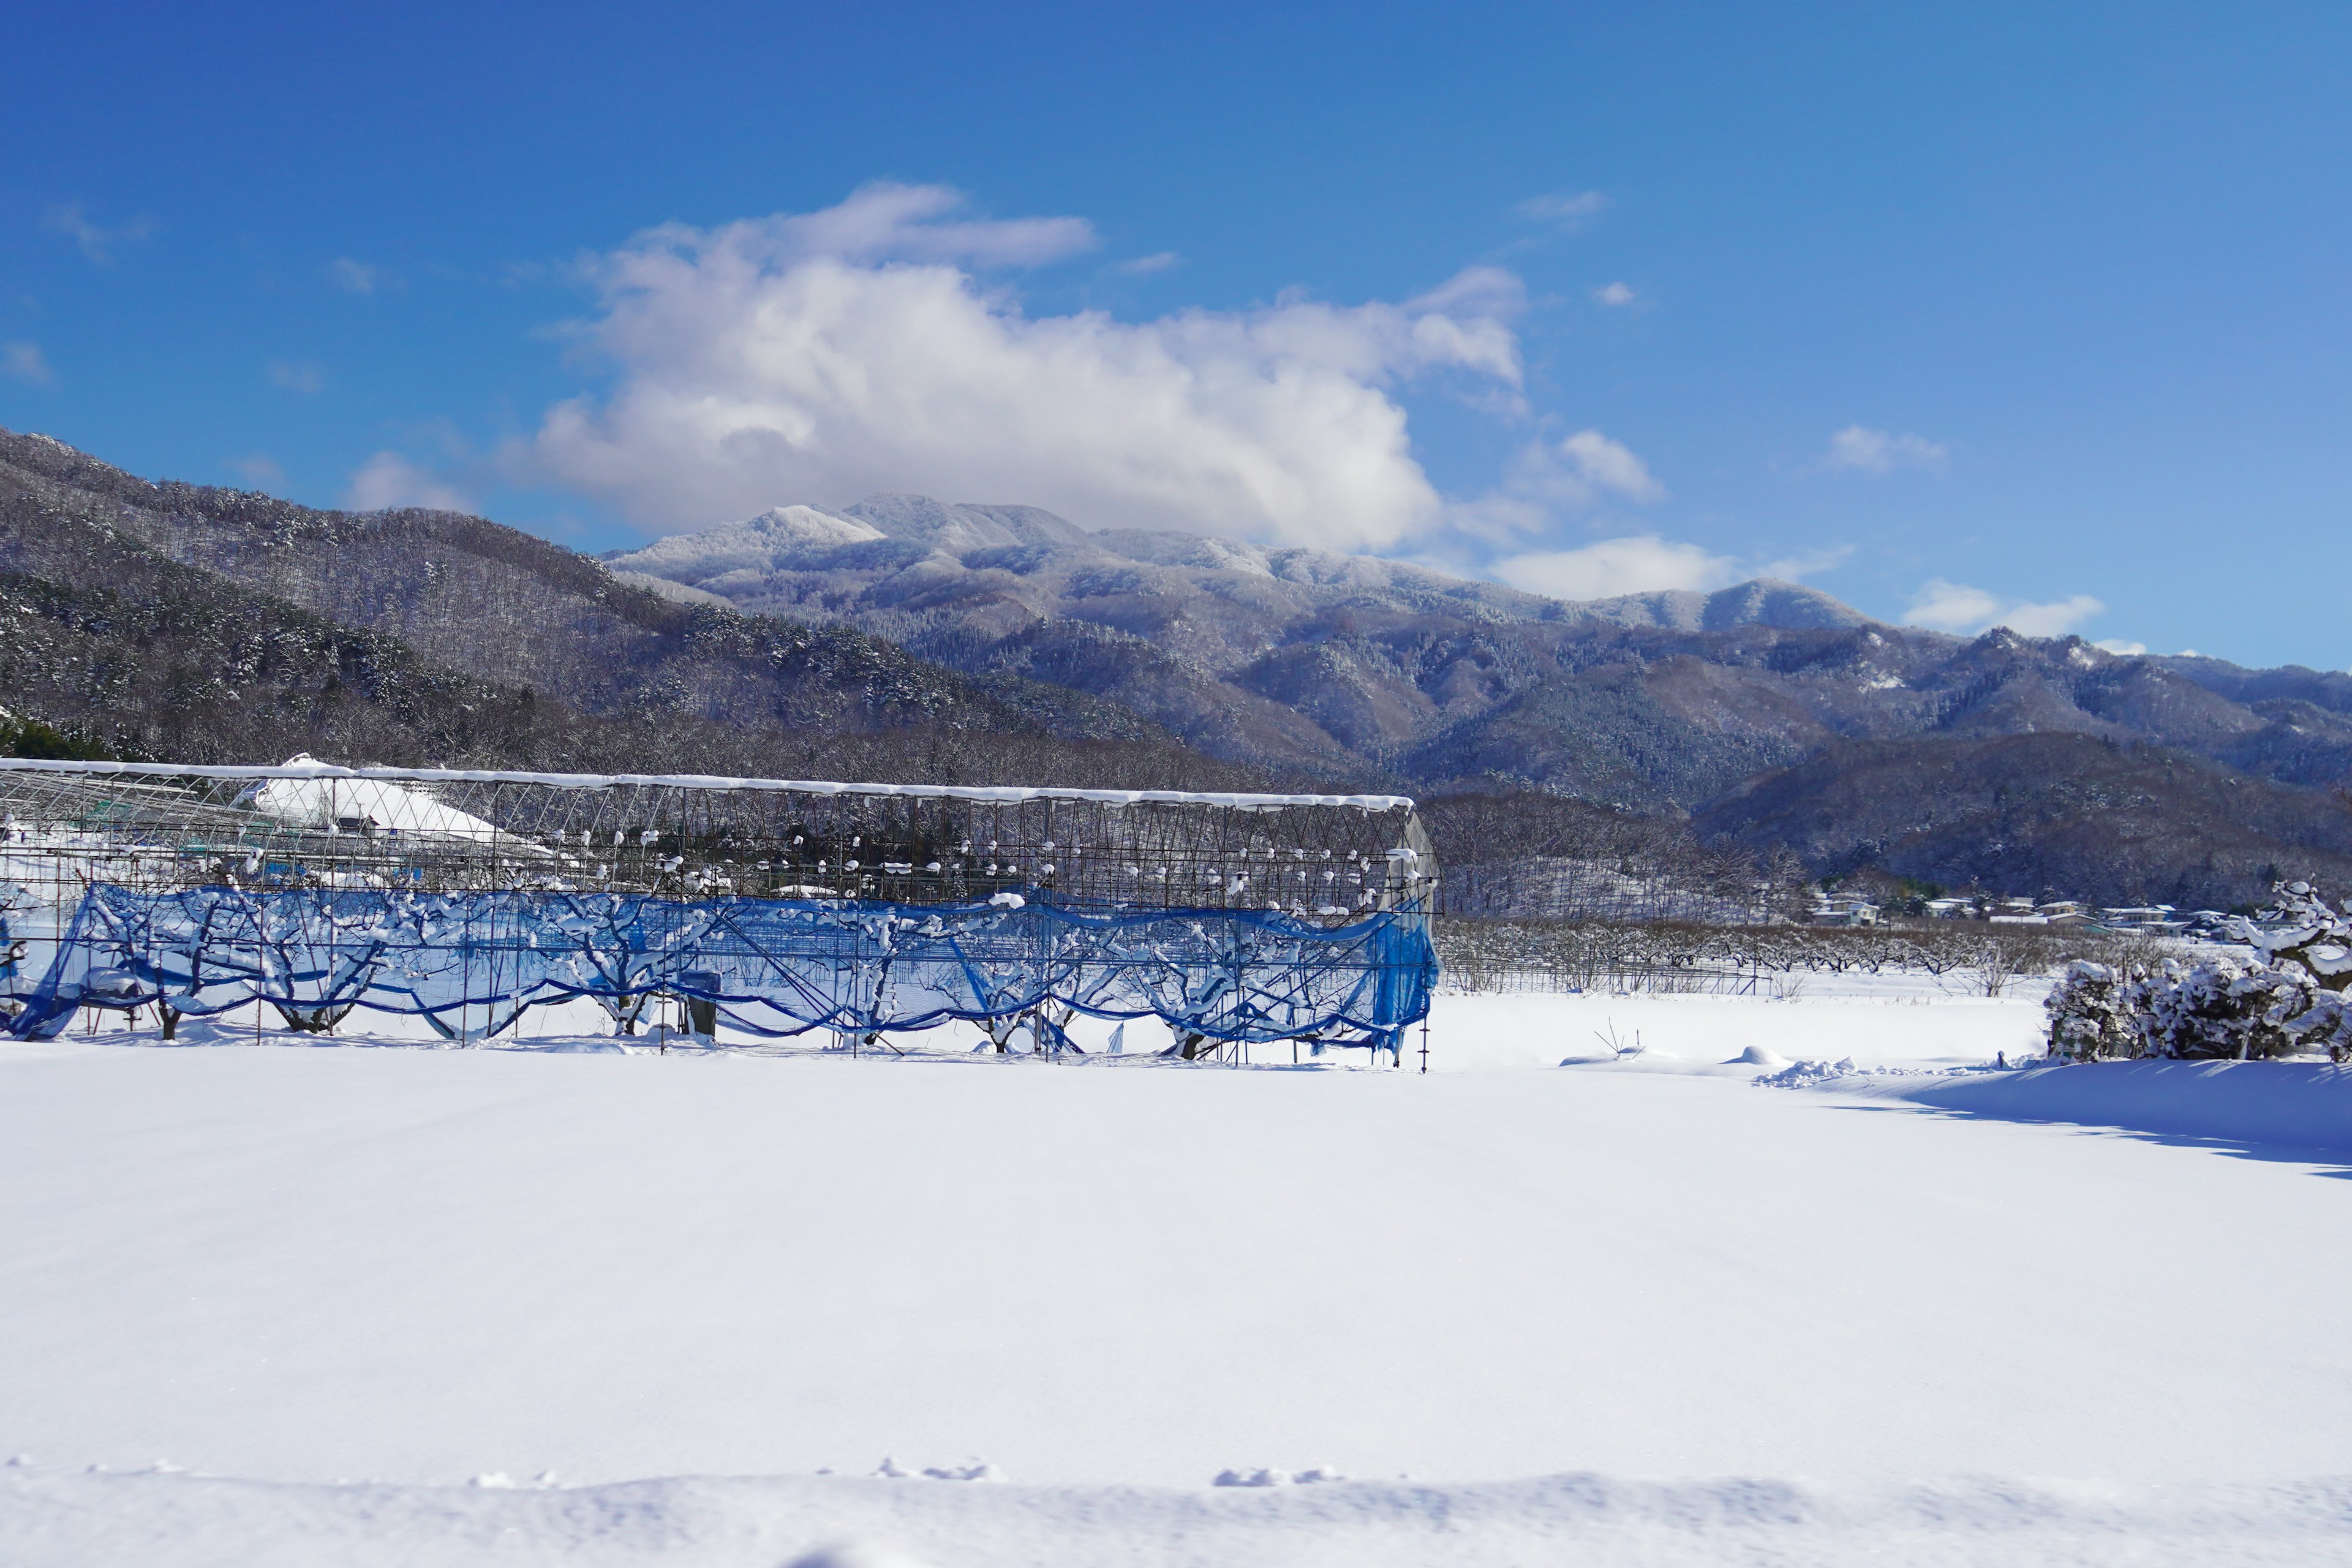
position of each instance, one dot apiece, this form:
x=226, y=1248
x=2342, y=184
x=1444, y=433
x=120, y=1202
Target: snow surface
x=835, y=1522
x=2271, y=1106
x=1634, y=1309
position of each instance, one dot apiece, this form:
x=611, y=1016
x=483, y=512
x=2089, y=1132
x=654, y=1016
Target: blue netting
x=771, y=967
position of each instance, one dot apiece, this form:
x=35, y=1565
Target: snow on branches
x=2287, y=999
x=2303, y=930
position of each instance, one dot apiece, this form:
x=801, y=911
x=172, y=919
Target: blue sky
x=2036, y=314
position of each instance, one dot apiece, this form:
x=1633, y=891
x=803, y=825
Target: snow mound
x=889, y=1470
x=1816, y=1074
x=1247, y=1476
x=1759, y=1055
x=1251, y=1477
x=1806, y=1075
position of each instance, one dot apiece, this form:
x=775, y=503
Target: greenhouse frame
x=775, y=908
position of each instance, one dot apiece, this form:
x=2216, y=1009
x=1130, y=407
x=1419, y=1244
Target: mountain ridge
x=1282, y=656
x=1668, y=702
x=1396, y=665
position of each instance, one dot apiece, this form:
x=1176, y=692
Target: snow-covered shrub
x=2223, y=1008
x=2090, y=1016
x=2326, y=1026
x=2288, y=998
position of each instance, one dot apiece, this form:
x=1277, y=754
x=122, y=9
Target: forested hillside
x=169, y=620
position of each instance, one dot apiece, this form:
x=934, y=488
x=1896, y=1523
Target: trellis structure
x=776, y=907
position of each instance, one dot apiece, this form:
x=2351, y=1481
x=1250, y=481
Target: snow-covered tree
x=2289, y=998
x=2090, y=1018
x=2224, y=1008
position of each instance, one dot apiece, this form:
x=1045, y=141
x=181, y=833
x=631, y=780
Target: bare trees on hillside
x=1538, y=857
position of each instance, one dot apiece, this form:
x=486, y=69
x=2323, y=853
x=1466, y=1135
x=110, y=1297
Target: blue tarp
x=770, y=966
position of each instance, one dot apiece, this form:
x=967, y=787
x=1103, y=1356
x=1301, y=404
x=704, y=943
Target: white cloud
x=1604, y=465
x=1644, y=562
x=1863, y=450
x=97, y=243
x=1569, y=209
x=25, y=363
x=259, y=469
x=357, y=277
x=1636, y=565
x=1614, y=294
x=303, y=377
x=2118, y=646
x=1957, y=607
x=1546, y=477
x=391, y=479
x=1797, y=568
x=1160, y=262
x=879, y=223
x=823, y=356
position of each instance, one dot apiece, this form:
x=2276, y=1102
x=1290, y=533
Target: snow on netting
x=778, y=906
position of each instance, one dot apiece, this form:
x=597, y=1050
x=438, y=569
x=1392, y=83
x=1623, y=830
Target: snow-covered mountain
x=1777, y=714
x=1292, y=655
x=900, y=565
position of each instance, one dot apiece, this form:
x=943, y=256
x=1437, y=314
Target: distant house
x=1949, y=909
x=2014, y=909
x=2142, y=917
x=2062, y=908
x=1842, y=910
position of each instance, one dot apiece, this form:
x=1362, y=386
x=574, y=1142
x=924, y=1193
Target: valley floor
x=314, y=1303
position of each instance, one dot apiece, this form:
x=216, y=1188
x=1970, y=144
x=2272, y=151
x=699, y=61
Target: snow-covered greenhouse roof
x=1322, y=856
x=311, y=768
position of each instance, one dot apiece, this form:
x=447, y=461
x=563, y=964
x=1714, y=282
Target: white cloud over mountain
x=1644, y=563
x=392, y=479
x=1546, y=477
x=259, y=469
x=1956, y=607
x=825, y=355
x=1638, y=563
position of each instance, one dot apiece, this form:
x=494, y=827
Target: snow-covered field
x=311, y=1303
